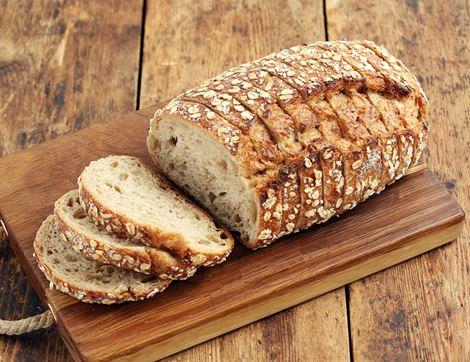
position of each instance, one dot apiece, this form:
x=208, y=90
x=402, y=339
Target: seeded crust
x=346, y=119
x=280, y=199
x=277, y=78
x=121, y=226
x=95, y=244
x=52, y=254
x=359, y=149
x=415, y=122
x=232, y=111
x=369, y=116
x=354, y=130
x=318, y=70
x=380, y=74
x=325, y=126
x=260, y=102
x=406, y=137
x=282, y=129
x=331, y=158
x=311, y=188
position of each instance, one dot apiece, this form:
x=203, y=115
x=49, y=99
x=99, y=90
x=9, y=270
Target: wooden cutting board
x=412, y=216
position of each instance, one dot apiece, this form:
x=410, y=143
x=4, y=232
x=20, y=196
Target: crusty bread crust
x=124, y=227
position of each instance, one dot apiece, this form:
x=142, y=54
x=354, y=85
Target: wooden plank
x=410, y=217
x=212, y=36
x=419, y=310
x=63, y=67
x=187, y=41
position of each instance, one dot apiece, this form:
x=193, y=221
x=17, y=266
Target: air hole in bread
x=223, y=165
x=204, y=242
x=222, y=194
x=171, y=166
x=173, y=141
x=56, y=261
x=79, y=213
x=49, y=252
x=118, y=189
x=70, y=202
x=114, y=164
x=109, y=185
x=70, y=258
x=237, y=218
x=211, y=197
x=123, y=176
x=223, y=236
x=148, y=279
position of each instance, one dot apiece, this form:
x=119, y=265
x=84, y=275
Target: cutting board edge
x=302, y=293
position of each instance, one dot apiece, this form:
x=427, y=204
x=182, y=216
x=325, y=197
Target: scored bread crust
x=175, y=243
x=75, y=288
x=347, y=109
x=88, y=242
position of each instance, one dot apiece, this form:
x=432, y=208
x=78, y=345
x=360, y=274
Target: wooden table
x=66, y=66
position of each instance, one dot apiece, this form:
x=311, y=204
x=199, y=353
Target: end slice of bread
x=85, y=237
x=126, y=197
x=86, y=280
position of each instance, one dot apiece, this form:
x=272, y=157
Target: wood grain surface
x=394, y=313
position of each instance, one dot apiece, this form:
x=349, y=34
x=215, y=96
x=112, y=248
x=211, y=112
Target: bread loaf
x=276, y=145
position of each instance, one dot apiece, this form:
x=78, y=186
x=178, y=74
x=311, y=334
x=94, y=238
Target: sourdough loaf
x=86, y=280
x=127, y=199
x=96, y=244
x=276, y=145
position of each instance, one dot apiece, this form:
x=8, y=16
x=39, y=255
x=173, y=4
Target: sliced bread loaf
x=88, y=281
x=190, y=147
x=85, y=237
x=128, y=199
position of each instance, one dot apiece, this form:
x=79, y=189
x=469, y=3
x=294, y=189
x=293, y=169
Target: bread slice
x=128, y=199
x=86, y=280
x=85, y=237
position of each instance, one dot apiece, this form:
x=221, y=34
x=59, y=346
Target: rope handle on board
x=30, y=324
x=22, y=326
